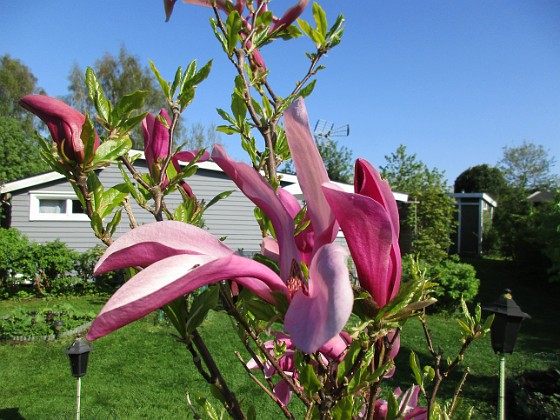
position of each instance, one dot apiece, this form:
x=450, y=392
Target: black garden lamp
x=79, y=354
x=507, y=321
x=503, y=333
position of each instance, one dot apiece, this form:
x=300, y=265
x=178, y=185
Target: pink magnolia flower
x=156, y=148
x=64, y=123
x=181, y=258
x=368, y=218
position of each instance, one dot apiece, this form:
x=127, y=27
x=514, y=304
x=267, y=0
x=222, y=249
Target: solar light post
x=78, y=353
x=507, y=321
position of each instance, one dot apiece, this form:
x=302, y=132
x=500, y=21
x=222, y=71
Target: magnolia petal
x=369, y=235
x=150, y=243
x=368, y=182
x=283, y=392
x=290, y=16
x=255, y=187
x=63, y=121
x=170, y=278
x=310, y=171
x=313, y=319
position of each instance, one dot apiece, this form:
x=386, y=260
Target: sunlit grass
x=140, y=371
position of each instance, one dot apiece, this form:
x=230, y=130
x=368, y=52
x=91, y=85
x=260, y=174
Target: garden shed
x=474, y=217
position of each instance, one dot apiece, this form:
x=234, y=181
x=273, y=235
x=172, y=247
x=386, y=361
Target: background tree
x=337, y=159
x=481, y=178
x=19, y=149
x=430, y=216
x=16, y=80
x=199, y=136
x=118, y=76
x=528, y=167
x=526, y=231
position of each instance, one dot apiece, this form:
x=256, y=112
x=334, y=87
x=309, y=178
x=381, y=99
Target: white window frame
x=36, y=196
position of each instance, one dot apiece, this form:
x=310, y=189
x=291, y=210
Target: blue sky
x=454, y=81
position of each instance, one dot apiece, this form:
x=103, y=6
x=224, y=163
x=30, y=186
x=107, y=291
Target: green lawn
x=140, y=372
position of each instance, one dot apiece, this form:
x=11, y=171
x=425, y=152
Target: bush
x=17, y=256
x=107, y=282
x=41, y=322
x=454, y=279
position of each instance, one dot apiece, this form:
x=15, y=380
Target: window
x=47, y=205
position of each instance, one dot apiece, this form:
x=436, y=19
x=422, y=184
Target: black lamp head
x=507, y=321
x=78, y=353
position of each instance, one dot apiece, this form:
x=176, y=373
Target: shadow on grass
x=10, y=414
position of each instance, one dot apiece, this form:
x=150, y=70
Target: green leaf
x=233, y=25
x=202, y=74
x=308, y=89
x=343, y=410
x=202, y=303
x=392, y=407
x=96, y=225
x=97, y=96
x=95, y=189
x=129, y=103
x=112, y=198
x=260, y=309
x=110, y=150
x=218, y=197
x=308, y=379
x=126, y=125
x=305, y=27
x=207, y=407
x=114, y=223
x=176, y=82
x=415, y=366
x=346, y=364
x=162, y=82
x=320, y=19
x=177, y=314
x=88, y=137
x=239, y=108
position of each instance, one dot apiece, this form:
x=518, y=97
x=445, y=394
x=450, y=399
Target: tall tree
x=429, y=219
x=16, y=80
x=118, y=76
x=19, y=148
x=199, y=136
x=481, y=178
x=528, y=167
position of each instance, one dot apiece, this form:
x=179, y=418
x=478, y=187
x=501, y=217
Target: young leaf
x=233, y=25
x=200, y=307
x=162, y=82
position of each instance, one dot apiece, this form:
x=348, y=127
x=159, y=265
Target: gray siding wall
x=231, y=218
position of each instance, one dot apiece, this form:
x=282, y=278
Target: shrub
x=38, y=323
x=17, y=255
x=85, y=264
x=454, y=279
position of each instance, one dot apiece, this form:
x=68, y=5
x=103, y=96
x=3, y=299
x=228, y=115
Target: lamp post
x=507, y=321
x=78, y=353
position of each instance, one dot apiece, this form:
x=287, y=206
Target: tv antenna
x=326, y=130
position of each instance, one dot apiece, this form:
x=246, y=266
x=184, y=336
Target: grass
x=141, y=372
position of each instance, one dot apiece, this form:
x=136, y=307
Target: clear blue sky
x=454, y=81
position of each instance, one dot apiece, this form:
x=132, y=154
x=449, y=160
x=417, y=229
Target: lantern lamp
x=79, y=354
x=507, y=321
x=503, y=333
